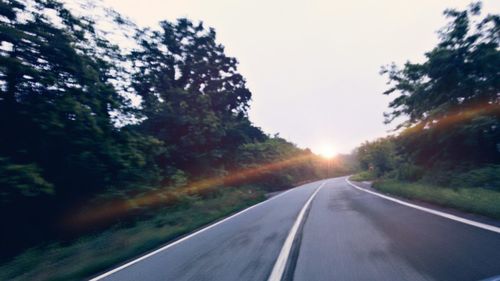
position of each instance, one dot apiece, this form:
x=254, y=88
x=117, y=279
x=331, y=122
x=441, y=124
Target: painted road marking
x=431, y=211
x=184, y=238
x=280, y=264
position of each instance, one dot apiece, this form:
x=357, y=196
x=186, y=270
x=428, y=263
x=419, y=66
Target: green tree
x=71, y=138
x=451, y=99
x=378, y=156
x=193, y=98
x=59, y=141
x=276, y=163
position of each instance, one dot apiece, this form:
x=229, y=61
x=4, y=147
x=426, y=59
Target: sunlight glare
x=327, y=152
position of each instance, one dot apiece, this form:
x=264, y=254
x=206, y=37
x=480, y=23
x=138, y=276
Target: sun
x=327, y=152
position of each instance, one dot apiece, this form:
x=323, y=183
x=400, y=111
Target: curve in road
x=347, y=234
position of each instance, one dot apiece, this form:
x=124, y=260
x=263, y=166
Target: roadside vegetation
x=446, y=151
x=474, y=200
x=363, y=176
x=93, y=253
x=110, y=150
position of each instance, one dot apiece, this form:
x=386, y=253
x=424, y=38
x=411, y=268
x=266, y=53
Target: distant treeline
x=451, y=103
x=70, y=131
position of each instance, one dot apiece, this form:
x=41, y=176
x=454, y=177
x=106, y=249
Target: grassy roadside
x=474, y=200
x=94, y=253
x=363, y=176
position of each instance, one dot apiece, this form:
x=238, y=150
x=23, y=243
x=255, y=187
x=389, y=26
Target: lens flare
x=112, y=209
x=457, y=116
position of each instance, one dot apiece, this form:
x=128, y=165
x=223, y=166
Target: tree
x=59, y=141
x=378, y=156
x=275, y=163
x=451, y=100
x=193, y=98
x=70, y=137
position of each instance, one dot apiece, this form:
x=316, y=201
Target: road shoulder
x=469, y=216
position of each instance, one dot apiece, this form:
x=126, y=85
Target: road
x=344, y=234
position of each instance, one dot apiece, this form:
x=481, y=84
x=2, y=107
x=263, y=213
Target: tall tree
x=192, y=94
x=451, y=100
x=59, y=143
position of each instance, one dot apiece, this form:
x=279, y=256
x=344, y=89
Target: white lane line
x=279, y=265
x=186, y=237
x=431, y=211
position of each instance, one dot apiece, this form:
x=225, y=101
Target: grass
x=95, y=253
x=363, y=176
x=474, y=200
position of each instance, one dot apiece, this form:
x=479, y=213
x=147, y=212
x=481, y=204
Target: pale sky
x=313, y=65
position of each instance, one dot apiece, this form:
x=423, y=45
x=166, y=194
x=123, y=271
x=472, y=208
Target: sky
x=313, y=65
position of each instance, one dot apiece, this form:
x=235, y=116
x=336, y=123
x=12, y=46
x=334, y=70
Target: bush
x=77, y=260
x=486, y=177
x=438, y=176
x=19, y=180
x=379, y=156
x=363, y=176
x=475, y=200
x=408, y=172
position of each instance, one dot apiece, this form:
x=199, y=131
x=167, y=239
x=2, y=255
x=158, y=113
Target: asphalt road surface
x=345, y=234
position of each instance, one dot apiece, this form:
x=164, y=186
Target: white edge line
x=431, y=211
x=186, y=237
x=279, y=265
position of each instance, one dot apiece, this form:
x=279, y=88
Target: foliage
x=451, y=99
x=460, y=70
x=407, y=171
x=192, y=96
x=384, y=158
x=276, y=163
x=378, y=156
x=56, y=106
x=93, y=253
x=475, y=200
x=484, y=177
x=452, y=132
x=71, y=136
x=363, y=176
x=57, y=101
x=21, y=180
